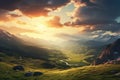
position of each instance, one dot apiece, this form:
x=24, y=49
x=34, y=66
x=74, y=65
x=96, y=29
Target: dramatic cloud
x=33, y=7
x=5, y=15
x=96, y=11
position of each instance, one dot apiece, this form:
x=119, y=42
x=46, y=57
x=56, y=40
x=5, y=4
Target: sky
x=60, y=21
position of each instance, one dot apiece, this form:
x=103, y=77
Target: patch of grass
x=84, y=73
x=100, y=72
x=74, y=58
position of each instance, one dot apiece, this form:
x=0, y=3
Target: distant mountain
x=100, y=42
x=110, y=55
x=13, y=46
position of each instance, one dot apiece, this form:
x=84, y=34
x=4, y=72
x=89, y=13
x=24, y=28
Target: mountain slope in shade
x=13, y=46
x=110, y=55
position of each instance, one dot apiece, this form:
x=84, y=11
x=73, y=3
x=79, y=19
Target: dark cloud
x=97, y=11
x=8, y=4
x=33, y=7
x=5, y=7
x=104, y=27
x=108, y=27
x=41, y=7
x=15, y=15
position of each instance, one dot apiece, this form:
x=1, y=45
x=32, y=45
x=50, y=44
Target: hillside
x=101, y=72
x=14, y=46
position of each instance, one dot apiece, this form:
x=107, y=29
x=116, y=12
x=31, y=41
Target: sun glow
x=41, y=27
x=38, y=27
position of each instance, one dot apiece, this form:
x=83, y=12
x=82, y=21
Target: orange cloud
x=33, y=7
x=55, y=22
x=15, y=30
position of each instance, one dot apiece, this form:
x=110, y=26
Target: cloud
x=41, y=7
x=16, y=30
x=67, y=36
x=9, y=4
x=54, y=22
x=5, y=15
x=104, y=27
x=6, y=6
x=33, y=7
x=101, y=35
x=96, y=11
x=108, y=27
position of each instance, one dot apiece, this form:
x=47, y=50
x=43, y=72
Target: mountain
x=14, y=46
x=110, y=54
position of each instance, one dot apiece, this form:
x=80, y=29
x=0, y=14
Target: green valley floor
x=100, y=72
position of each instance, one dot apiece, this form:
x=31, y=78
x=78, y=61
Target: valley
x=57, y=64
x=59, y=39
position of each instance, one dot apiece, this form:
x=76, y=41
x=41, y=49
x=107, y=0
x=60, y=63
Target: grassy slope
x=100, y=72
x=84, y=73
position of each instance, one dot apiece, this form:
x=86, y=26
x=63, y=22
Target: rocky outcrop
x=109, y=55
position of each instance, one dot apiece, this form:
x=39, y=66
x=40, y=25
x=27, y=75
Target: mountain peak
x=5, y=35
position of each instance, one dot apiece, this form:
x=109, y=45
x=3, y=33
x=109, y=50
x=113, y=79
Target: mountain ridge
x=14, y=46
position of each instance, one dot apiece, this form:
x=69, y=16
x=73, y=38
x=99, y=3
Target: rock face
x=109, y=55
